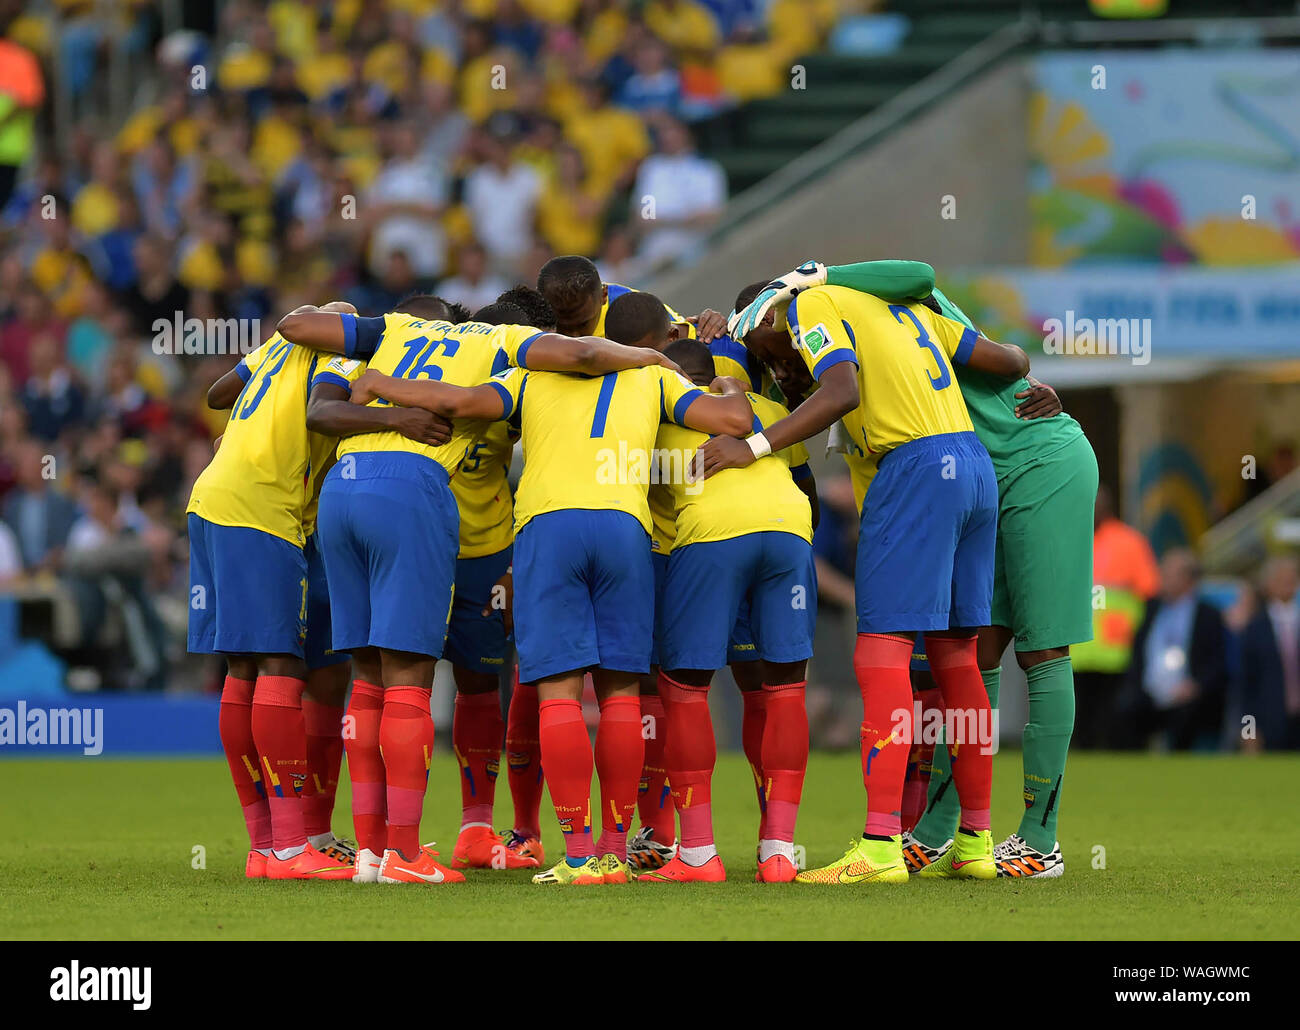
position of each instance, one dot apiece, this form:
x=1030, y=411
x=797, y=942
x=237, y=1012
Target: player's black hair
x=745, y=296
x=932, y=304
x=539, y=311
x=634, y=316
x=426, y=305
x=457, y=312
x=695, y=359
x=501, y=312
x=566, y=281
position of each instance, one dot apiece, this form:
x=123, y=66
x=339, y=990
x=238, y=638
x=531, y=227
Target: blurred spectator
x=654, y=87
x=1125, y=577
x=53, y=400
x=501, y=194
x=1178, y=677
x=472, y=285
x=11, y=560
x=39, y=515
x=678, y=196
x=1270, y=659
x=1280, y=464
x=403, y=204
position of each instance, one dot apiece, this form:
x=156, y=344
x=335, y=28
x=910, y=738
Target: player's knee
x=1028, y=659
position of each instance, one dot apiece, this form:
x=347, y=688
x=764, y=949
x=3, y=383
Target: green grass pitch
x=1194, y=847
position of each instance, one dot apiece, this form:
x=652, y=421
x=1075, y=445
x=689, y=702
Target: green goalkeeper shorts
x=1042, y=573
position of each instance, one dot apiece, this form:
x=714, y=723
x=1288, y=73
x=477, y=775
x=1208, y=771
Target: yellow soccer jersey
x=482, y=492
x=342, y=372
x=663, y=519
x=264, y=475
x=760, y=498
x=734, y=359
x=903, y=355
x=589, y=440
x=612, y=292
x=406, y=347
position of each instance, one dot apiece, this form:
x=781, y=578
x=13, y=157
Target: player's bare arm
x=330, y=412
x=809, y=486
x=317, y=327
x=836, y=396
x=593, y=355
x=999, y=359
x=725, y=409
x=474, y=402
x=223, y=393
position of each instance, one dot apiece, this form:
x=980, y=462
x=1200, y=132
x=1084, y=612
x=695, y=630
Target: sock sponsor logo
x=22, y=726
x=103, y=983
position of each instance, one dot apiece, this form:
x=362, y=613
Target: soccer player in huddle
x=583, y=581
x=741, y=575
x=926, y=551
x=389, y=530
x=258, y=596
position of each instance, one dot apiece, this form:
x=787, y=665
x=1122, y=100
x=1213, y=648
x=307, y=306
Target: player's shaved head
x=572, y=286
x=638, y=320
x=342, y=307
x=694, y=358
x=426, y=305
x=540, y=313
x=501, y=313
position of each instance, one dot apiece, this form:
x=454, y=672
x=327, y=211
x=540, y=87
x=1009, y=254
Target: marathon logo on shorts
x=102, y=983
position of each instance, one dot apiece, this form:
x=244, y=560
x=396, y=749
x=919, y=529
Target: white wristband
x=759, y=445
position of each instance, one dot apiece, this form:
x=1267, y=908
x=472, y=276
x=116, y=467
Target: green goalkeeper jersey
x=1011, y=442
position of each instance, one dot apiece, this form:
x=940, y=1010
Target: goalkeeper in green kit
x=1042, y=589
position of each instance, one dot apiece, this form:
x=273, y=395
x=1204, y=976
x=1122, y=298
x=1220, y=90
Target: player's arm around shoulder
x=488, y=401
x=591, y=355
x=724, y=410
x=331, y=413
x=334, y=327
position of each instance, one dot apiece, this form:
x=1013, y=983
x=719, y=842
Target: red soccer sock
x=920, y=760
x=620, y=753
x=281, y=742
x=881, y=665
x=476, y=731
x=655, y=802
x=691, y=754
x=324, y=726
x=966, y=708
x=406, y=739
x=785, y=757
x=235, y=725
x=751, y=740
x=366, y=766
x=566, y=750
x=524, y=758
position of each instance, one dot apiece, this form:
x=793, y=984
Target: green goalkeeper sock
x=942, y=806
x=1047, y=740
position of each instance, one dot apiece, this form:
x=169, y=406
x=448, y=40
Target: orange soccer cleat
x=424, y=869
x=255, y=866
x=678, y=871
x=777, y=869
x=478, y=847
x=309, y=864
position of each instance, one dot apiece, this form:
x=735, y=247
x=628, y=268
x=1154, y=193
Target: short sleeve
x=339, y=371
x=957, y=340
x=514, y=341
x=249, y=362
x=734, y=359
x=818, y=333
x=676, y=393
x=510, y=386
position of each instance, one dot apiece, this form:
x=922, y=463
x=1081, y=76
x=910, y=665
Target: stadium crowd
x=362, y=150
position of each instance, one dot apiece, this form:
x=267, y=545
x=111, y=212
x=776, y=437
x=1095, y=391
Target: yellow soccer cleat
x=866, y=861
x=586, y=875
x=614, y=871
x=969, y=858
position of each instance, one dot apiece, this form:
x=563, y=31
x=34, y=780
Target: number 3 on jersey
x=923, y=340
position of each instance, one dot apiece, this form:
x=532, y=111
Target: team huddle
x=357, y=524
